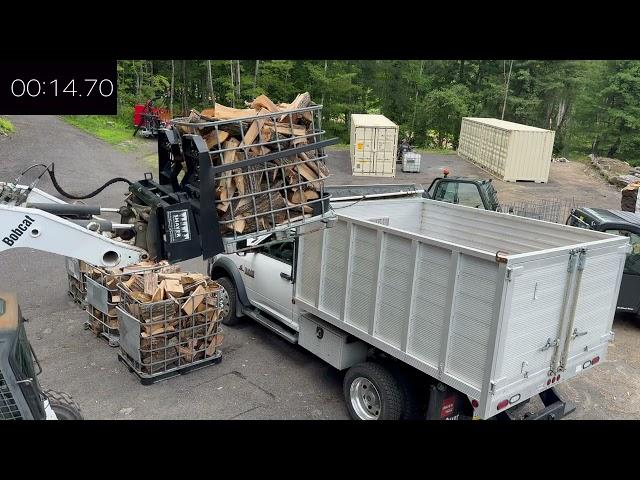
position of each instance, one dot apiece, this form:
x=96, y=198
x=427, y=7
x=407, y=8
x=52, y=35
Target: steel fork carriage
x=162, y=339
x=271, y=179
x=102, y=298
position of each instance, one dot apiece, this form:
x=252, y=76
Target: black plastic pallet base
x=150, y=380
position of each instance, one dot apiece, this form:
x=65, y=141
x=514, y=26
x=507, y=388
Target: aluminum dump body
x=498, y=306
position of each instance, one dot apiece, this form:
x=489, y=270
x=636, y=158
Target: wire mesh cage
x=8, y=408
x=163, y=338
x=556, y=211
x=77, y=288
x=103, y=296
x=268, y=170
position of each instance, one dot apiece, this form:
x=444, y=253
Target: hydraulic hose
x=62, y=192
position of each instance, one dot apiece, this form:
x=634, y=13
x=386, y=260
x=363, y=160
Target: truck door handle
x=285, y=276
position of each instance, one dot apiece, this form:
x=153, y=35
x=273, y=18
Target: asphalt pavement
x=261, y=376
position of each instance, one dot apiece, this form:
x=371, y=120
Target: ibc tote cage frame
x=189, y=173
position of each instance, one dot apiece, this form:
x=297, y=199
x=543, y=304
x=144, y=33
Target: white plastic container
x=411, y=162
x=511, y=151
x=374, y=141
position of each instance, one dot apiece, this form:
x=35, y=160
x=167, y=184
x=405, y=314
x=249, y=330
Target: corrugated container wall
x=374, y=142
x=511, y=151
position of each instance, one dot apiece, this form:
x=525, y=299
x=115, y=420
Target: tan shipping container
x=374, y=143
x=511, y=151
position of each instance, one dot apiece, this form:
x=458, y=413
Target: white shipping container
x=374, y=141
x=511, y=151
x=497, y=306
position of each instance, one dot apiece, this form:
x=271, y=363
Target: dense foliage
x=594, y=106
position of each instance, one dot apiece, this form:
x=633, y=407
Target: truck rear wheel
x=228, y=299
x=371, y=392
x=63, y=405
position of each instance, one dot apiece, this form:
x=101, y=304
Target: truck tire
x=372, y=392
x=415, y=393
x=229, y=316
x=63, y=405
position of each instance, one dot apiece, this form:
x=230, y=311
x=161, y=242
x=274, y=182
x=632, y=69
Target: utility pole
x=325, y=80
x=233, y=85
x=238, y=78
x=173, y=77
x=255, y=75
x=210, y=79
x=415, y=102
x=506, y=88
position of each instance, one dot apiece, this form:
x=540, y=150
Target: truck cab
x=470, y=192
x=622, y=223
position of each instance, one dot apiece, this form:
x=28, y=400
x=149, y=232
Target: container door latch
x=550, y=344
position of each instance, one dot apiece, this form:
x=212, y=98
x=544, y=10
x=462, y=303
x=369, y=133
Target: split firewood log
x=215, y=139
x=301, y=101
x=262, y=101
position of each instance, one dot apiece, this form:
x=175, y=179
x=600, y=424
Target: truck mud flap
x=446, y=403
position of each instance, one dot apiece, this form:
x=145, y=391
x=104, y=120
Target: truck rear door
x=557, y=319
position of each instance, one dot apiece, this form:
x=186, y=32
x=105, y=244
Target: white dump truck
x=436, y=310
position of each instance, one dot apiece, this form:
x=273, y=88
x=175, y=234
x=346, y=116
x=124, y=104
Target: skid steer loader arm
x=26, y=227
x=34, y=228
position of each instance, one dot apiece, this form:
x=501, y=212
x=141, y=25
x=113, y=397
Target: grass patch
x=106, y=127
x=6, y=127
x=151, y=159
x=339, y=146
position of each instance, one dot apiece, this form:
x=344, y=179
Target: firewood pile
x=103, y=295
x=171, y=322
x=279, y=191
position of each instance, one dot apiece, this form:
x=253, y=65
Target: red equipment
x=149, y=118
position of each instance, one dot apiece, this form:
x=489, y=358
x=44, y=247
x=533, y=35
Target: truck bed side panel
x=430, y=312
x=471, y=320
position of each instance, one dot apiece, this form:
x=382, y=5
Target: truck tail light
x=503, y=404
x=474, y=403
x=595, y=360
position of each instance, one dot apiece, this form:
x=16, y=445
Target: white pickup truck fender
x=223, y=266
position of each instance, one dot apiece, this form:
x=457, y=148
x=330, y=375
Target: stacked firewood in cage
x=105, y=296
x=177, y=316
x=278, y=191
